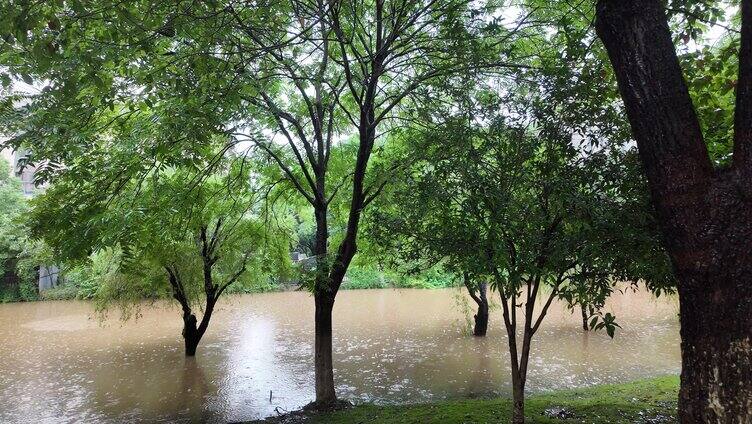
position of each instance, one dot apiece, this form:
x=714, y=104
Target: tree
x=521, y=208
x=368, y=58
x=165, y=236
x=704, y=210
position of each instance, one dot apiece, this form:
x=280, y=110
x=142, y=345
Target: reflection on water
x=59, y=365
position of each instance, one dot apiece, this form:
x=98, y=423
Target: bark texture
x=705, y=213
x=324, y=366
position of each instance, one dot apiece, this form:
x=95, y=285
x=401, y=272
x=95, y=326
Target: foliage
x=154, y=224
x=226, y=68
x=513, y=207
x=372, y=277
x=12, y=207
x=573, y=75
x=85, y=280
x=365, y=278
x=711, y=74
x=20, y=256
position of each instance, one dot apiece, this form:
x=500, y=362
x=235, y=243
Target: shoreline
x=649, y=401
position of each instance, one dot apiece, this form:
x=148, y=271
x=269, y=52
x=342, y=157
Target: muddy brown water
x=58, y=364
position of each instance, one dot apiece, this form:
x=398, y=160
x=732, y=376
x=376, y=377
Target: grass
x=645, y=401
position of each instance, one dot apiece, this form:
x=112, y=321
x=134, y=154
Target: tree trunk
x=519, y=376
x=324, y=294
x=518, y=398
x=190, y=334
x=583, y=311
x=706, y=214
x=716, y=329
x=481, y=318
x=193, y=333
x=518, y=362
x=329, y=278
x=481, y=321
x=324, y=368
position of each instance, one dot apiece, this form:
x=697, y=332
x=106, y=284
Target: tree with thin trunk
x=705, y=211
x=520, y=208
x=208, y=246
x=164, y=238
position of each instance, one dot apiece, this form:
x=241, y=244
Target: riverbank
x=646, y=401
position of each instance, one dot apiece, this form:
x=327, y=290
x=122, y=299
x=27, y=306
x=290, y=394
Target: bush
x=365, y=278
x=8, y=294
x=28, y=290
x=369, y=277
x=246, y=286
x=61, y=292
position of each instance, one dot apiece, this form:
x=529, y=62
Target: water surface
x=59, y=365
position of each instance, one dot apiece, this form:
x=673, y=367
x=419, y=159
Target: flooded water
x=57, y=364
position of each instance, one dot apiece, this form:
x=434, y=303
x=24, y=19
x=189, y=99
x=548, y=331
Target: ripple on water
x=59, y=365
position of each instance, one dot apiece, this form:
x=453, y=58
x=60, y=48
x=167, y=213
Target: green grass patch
x=645, y=401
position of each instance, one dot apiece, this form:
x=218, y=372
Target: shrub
x=370, y=277
x=364, y=278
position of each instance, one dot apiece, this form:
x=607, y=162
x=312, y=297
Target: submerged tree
x=166, y=237
x=704, y=210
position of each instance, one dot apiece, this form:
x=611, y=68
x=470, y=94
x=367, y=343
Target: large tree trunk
x=706, y=214
x=716, y=329
x=324, y=367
